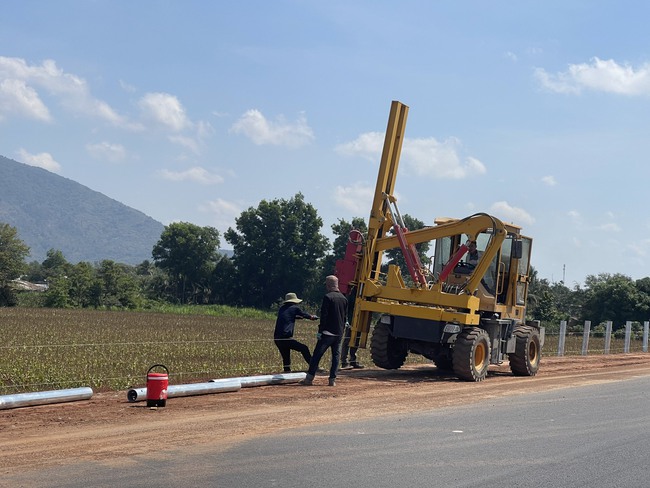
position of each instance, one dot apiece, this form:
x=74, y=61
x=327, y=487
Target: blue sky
x=536, y=112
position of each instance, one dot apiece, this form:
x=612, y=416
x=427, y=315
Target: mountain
x=53, y=212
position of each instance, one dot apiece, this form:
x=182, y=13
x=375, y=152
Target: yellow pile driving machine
x=465, y=311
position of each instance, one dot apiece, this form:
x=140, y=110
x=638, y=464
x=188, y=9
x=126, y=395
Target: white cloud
x=511, y=56
x=598, y=75
x=187, y=142
x=354, y=198
x=610, y=227
x=508, y=213
x=367, y=146
x=440, y=160
x=41, y=160
x=166, y=110
x=22, y=80
x=105, y=150
x=640, y=248
x=223, y=212
x=426, y=157
x=279, y=133
x=196, y=174
x=574, y=214
x=549, y=180
x=127, y=87
x=18, y=98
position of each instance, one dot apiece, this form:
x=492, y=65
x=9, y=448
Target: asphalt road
x=594, y=436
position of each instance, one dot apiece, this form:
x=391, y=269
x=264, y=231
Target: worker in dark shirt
x=284, y=327
x=333, y=315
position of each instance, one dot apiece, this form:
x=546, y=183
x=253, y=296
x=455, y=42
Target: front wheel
x=525, y=360
x=472, y=354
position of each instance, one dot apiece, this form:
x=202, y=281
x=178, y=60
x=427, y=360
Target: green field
x=48, y=349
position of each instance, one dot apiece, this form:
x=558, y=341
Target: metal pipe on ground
x=270, y=379
x=45, y=397
x=190, y=389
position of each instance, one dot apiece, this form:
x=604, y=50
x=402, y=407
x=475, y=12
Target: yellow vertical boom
x=380, y=217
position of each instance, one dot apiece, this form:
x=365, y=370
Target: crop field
x=47, y=349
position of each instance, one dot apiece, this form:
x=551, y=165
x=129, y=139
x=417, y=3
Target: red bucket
x=157, y=386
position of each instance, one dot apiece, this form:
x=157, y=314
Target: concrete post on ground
x=608, y=336
x=645, y=336
x=628, y=336
x=585, y=337
x=562, y=340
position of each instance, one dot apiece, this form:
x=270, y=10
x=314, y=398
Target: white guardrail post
x=608, y=336
x=585, y=337
x=628, y=336
x=645, y=336
x=562, y=339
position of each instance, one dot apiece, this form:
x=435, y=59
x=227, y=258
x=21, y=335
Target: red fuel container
x=157, y=386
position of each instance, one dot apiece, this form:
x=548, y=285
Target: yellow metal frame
x=389, y=294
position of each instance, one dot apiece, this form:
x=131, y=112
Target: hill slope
x=52, y=212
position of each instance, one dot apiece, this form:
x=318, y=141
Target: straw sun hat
x=291, y=298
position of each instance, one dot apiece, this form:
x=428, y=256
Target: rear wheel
x=387, y=351
x=525, y=360
x=472, y=354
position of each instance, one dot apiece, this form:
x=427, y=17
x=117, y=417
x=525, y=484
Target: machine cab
x=505, y=283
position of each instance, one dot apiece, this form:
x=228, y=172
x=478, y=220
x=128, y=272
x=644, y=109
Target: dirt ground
x=108, y=428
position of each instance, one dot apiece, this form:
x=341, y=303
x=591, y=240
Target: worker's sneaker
x=332, y=382
x=345, y=366
x=356, y=365
x=308, y=381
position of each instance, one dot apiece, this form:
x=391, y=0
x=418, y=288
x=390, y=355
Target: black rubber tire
x=525, y=360
x=387, y=351
x=472, y=354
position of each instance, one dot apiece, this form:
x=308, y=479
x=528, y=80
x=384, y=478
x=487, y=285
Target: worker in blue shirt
x=284, y=328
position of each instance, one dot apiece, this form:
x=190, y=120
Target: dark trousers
x=324, y=343
x=285, y=346
x=346, y=349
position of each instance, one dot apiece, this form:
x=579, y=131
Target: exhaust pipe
x=45, y=397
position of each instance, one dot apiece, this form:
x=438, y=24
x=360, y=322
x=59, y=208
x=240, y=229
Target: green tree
x=82, y=286
x=55, y=264
x=117, y=285
x=614, y=297
x=188, y=253
x=58, y=293
x=34, y=272
x=278, y=248
x=226, y=287
x=13, y=252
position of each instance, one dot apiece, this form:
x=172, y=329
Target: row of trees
x=277, y=247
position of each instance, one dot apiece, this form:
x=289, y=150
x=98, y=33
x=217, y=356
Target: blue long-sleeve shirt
x=286, y=320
